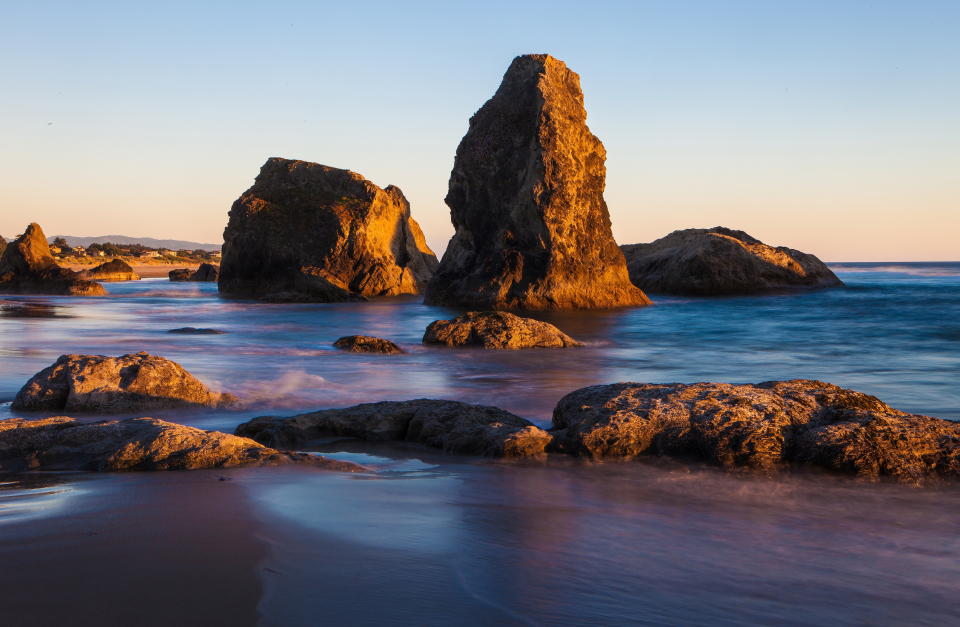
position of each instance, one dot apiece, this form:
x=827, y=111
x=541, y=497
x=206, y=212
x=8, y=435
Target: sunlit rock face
x=526, y=200
x=116, y=270
x=28, y=267
x=765, y=426
x=496, y=330
x=719, y=261
x=310, y=232
x=63, y=443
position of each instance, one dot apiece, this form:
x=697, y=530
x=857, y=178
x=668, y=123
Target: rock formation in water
x=180, y=274
x=309, y=232
x=196, y=331
x=526, y=200
x=116, y=270
x=27, y=267
x=135, y=444
x=720, y=261
x=763, y=426
x=449, y=425
x=207, y=272
x=496, y=329
x=367, y=344
x=134, y=382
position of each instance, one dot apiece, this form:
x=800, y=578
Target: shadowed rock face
x=449, y=425
x=367, y=344
x=134, y=382
x=526, y=200
x=180, y=274
x=206, y=272
x=718, y=261
x=135, y=444
x=761, y=426
x=496, y=329
x=27, y=267
x=306, y=231
x=116, y=270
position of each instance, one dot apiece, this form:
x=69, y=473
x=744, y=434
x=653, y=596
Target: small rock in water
x=196, y=331
x=180, y=274
x=116, y=270
x=498, y=330
x=367, y=344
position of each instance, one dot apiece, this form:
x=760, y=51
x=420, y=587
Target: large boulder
x=310, y=232
x=135, y=444
x=206, y=272
x=496, y=329
x=449, y=425
x=116, y=270
x=28, y=267
x=526, y=200
x=134, y=382
x=719, y=261
x=180, y=274
x=367, y=344
x=763, y=426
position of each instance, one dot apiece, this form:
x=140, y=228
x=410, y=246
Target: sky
x=831, y=127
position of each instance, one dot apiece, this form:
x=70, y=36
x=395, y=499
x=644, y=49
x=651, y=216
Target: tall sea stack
x=28, y=267
x=309, y=232
x=526, y=200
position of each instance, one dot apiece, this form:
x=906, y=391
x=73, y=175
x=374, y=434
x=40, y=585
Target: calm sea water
x=434, y=539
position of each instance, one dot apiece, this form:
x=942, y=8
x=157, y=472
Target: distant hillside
x=150, y=242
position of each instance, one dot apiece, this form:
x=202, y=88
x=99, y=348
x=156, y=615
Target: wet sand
x=135, y=549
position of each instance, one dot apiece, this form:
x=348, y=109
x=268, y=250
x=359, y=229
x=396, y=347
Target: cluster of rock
x=496, y=330
x=136, y=444
x=129, y=383
x=206, y=272
x=310, y=232
x=28, y=267
x=367, y=344
x=721, y=261
x=115, y=270
x=448, y=425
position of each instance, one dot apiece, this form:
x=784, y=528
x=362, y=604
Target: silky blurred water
x=437, y=540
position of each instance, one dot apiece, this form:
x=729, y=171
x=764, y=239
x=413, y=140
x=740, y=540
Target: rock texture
x=719, y=261
x=135, y=444
x=449, y=425
x=367, y=344
x=207, y=272
x=116, y=270
x=180, y=274
x=526, y=200
x=27, y=267
x=306, y=231
x=496, y=329
x=134, y=382
x=763, y=426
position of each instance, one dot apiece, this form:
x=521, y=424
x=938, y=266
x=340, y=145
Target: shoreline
x=146, y=271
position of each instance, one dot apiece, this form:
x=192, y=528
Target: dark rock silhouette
x=718, y=261
x=764, y=426
x=135, y=444
x=116, y=270
x=367, y=344
x=207, y=272
x=180, y=274
x=496, y=329
x=196, y=331
x=310, y=232
x=134, y=382
x=526, y=200
x=449, y=425
x=27, y=267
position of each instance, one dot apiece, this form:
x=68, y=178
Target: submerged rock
x=196, y=331
x=134, y=382
x=27, y=267
x=526, y=200
x=496, y=329
x=367, y=344
x=116, y=270
x=180, y=274
x=718, y=261
x=763, y=426
x=449, y=425
x=310, y=232
x=135, y=444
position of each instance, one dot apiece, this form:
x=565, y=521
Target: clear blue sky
x=833, y=127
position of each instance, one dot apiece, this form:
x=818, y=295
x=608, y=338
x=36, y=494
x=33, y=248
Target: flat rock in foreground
x=116, y=270
x=763, y=426
x=526, y=200
x=367, y=344
x=28, y=267
x=449, y=425
x=135, y=444
x=134, y=382
x=721, y=261
x=309, y=232
x=498, y=330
